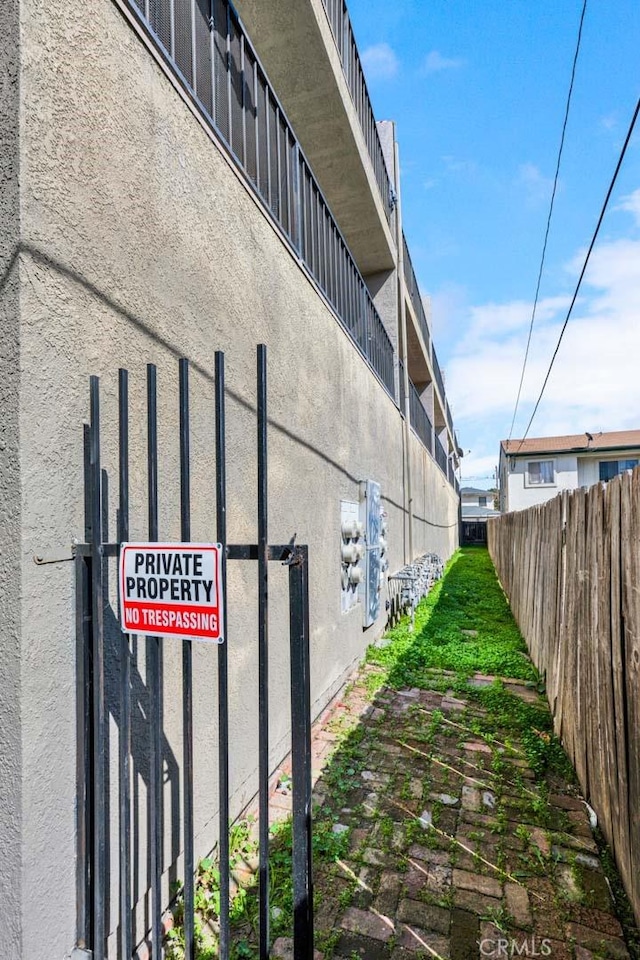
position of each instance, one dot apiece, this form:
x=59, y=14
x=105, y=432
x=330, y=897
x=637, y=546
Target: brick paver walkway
x=457, y=849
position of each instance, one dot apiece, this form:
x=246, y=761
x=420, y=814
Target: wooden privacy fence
x=571, y=571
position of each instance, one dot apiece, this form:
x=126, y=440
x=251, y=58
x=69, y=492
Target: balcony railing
x=414, y=294
x=441, y=457
x=438, y=374
x=340, y=23
x=449, y=415
x=207, y=48
x=420, y=418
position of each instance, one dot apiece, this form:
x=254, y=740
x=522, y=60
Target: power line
x=553, y=196
x=584, y=266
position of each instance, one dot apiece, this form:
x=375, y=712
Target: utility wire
x=584, y=265
x=553, y=197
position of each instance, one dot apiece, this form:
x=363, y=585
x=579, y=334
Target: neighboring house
x=473, y=497
x=476, y=508
x=178, y=181
x=537, y=469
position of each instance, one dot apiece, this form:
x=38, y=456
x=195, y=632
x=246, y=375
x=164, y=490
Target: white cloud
x=499, y=318
x=609, y=122
x=478, y=467
x=455, y=165
x=449, y=307
x=380, y=62
x=631, y=204
x=434, y=62
x=536, y=186
x=594, y=384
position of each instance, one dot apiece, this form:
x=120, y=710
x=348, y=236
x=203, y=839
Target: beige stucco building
x=176, y=182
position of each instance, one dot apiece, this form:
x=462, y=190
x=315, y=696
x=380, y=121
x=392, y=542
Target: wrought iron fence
x=340, y=23
x=414, y=294
x=420, y=418
x=206, y=46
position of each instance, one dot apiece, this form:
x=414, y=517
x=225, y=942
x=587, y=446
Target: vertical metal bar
x=300, y=213
x=187, y=674
x=99, y=732
x=313, y=216
x=154, y=682
x=263, y=654
x=223, y=682
x=334, y=265
x=325, y=255
x=267, y=126
x=298, y=201
x=301, y=755
x=125, y=682
x=83, y=752
x=243, y=105
x=229, y=85
x=257, y=122
x=290, y=198
x=212, y=44
x=279, y=165
x=194, y=49
x=172, y=28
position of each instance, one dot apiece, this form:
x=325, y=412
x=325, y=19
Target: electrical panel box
x=352, y=552
x=373, y=519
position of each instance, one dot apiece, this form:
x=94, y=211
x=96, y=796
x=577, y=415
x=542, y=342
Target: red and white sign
x=172, y=589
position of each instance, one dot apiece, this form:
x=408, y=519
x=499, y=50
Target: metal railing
x=420, y=418
x=423, y=428
x=414, y=294
x=206, y=46
x=340, y=23
x=441, y=456
x=438, y=375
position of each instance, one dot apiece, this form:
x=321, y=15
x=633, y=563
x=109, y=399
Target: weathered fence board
x=571, y=570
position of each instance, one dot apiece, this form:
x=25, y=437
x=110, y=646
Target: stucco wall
x=10, y=507
x=521, y=495
x=141, y=244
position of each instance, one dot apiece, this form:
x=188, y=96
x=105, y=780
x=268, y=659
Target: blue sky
x=478, y=89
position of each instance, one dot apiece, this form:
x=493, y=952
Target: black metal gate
x=92, y=562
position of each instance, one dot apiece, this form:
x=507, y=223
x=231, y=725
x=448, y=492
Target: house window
x=611, y=468
x=482, y=501
x=540, y=473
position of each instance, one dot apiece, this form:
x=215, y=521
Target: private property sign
x=172, y=589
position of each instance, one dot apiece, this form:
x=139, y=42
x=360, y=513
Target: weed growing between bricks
x=447, y=820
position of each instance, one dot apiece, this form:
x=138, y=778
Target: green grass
x=328, y=847
x=468, y=597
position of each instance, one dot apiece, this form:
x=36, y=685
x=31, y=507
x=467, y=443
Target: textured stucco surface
x=140, y=244
x=523, y=495
x=10, y=559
